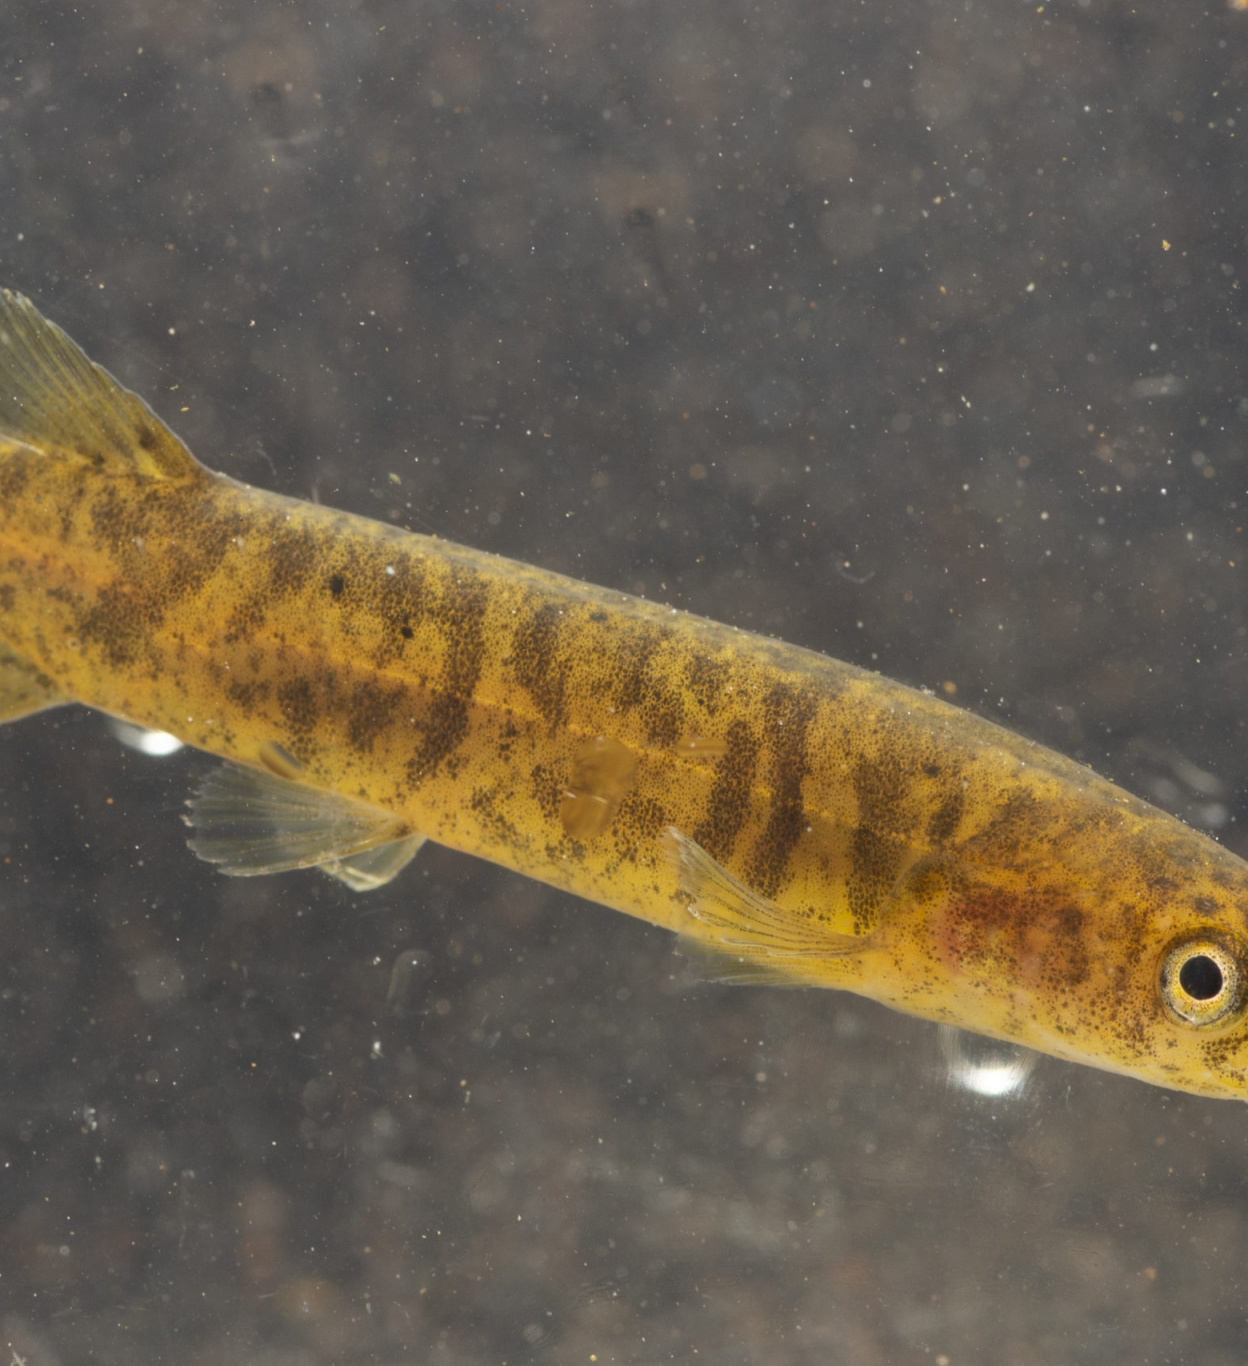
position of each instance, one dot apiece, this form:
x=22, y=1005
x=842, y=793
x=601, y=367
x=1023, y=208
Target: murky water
x=911, y=332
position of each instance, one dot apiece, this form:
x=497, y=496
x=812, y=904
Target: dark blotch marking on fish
x=69, y=510
x=14, y=474
x=1068, y=926
x=212, y=537
x=247, y=693
x=120, y=624
x=399, y=596
x=295, y=554
x=68, y=514
x=484, y=801
x=299, y=708
x=634, y=687
x=1131, y=924
x=875, y=862
x=1010, y=830
x=169, y=539
x=246, y=618
x=664, y=723
x=630, y=685
x=706, y=677
x=538, y=664
x=989, y=926
x=1219, y=1052
x=370, y=710
x=337, y=585
x=876, y=851
x=202, y=531
x=882, y=785
x=547, y=788
x=790, y=708
x=971, y=924
x=924, y=882
x=116, y=515
x=639, y=821
x=944, y=820
x=460, y=616
x=729, y=802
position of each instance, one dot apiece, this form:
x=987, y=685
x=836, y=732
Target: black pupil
x=1201, y=977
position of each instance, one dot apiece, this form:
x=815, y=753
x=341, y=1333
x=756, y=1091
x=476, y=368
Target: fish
x=795, y=820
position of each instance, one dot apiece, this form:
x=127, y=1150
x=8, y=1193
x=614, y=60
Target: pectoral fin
x=375, y=867
x=736, y=935
x=24, y=687
x=249, y=822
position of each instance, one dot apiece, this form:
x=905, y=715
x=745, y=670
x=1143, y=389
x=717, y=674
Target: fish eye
x=1202, y=982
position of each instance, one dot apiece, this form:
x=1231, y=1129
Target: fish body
x=796, y=819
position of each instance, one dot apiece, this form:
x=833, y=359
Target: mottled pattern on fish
x=916, y=853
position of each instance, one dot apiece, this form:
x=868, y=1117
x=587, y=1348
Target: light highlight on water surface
x=984, y=1067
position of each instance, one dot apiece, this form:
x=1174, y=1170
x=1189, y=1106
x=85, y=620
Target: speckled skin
x=996, y=885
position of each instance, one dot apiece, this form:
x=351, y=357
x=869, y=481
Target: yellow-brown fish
x=796, y=819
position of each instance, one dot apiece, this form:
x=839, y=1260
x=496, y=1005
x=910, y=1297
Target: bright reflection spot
x=157, y=743
x=984, y=1066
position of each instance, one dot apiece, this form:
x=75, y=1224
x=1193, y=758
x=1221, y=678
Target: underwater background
x=911, y=332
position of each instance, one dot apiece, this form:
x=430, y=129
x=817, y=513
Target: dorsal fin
x=55, y=400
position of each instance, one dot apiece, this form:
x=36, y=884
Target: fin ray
x=54, y=399
x=713, y=963
x=737, y=935
x=249, y=822
x=373, y=868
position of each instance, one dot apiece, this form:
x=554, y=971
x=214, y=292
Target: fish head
x=1190, y=991
x=1137, y=964
x=1167, y=997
